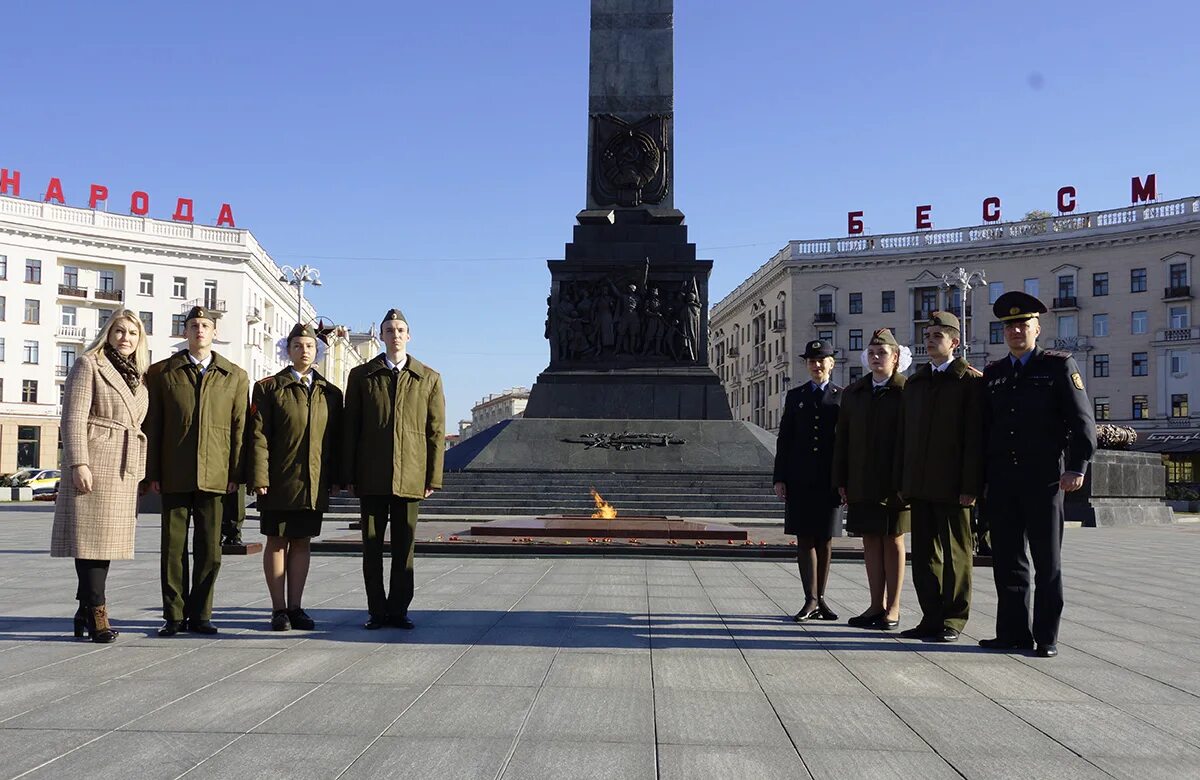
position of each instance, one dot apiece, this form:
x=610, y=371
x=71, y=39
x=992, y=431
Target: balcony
x=1181, y=292
x=110, y=295
x=60, y=371
x=1064, y=303
x=1176, y=334
x=734, y=352
x=824, y=318
x=922, y=315
x=1073, y=344
x=72, y=333
x=778, y=326
x=211, y=304
x=72, y=291
x=253, y=315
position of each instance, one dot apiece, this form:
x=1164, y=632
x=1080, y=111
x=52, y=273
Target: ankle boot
x=80, y=620
x=98, y=628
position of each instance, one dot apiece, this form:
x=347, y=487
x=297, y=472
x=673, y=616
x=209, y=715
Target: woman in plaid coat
x=104, y=458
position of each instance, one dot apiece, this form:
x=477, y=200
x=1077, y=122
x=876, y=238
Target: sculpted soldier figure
x=194, y=431
x=942, y=477
x=1039, y=435
x=295, y=434
x=393, y=446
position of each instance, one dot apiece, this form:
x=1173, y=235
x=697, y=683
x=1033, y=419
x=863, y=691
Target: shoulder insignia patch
x=1077, y=380
x=1058, y=353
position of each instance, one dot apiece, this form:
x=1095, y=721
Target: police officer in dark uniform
x=804, y=476
x=1039, y=435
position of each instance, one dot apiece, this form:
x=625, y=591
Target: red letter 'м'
x=1140, y=192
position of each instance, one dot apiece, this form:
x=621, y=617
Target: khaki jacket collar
x=412, y=365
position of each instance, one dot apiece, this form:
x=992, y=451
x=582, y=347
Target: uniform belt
x=130, y=433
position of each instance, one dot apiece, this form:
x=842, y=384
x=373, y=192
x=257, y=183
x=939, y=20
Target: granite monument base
x=1121, y=488
x=631, y=527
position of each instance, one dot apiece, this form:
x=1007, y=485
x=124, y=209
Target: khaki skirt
x=879, y=519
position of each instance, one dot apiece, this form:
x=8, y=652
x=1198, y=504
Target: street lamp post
x=965, y=281
x=298, y=277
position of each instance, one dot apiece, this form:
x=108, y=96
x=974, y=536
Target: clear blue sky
x=431, y=155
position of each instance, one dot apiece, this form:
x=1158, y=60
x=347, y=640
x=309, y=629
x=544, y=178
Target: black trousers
x=92, y=577
x=376, y=513
x=1020, y=515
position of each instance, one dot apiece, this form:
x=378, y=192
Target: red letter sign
x=923, y=220
x=991, y=209
x=139, y=204
x=98, y=193
x=1066, y=199
x=226, y=216
x=14, y=180
x=854, y=223
x=1144, y=192
x=54, y=191
x=183, y=211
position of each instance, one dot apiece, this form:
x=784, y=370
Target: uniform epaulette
x=1058, y=353
x=265, y=381
x=996, y=362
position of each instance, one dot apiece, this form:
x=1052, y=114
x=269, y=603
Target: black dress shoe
x=946, y=634
x=1047, y=651
x=921, y=632
x=882, y=623
x=374, y=623
x=401, y=621
x=172, y=627
x=1005, y=644
x=198, y=626
x=279, y=620
x=300, y=620
x=864, y=621
x=824, y=612
x=804, y=615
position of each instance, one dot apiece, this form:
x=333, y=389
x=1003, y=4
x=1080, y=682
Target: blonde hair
x=141, y=354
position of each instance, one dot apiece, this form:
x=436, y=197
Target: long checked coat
x=101, y=428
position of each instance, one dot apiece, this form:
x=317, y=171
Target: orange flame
x=604, y=509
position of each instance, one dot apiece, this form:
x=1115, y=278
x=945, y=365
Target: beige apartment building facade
x=1118, y=284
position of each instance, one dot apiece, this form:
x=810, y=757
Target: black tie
x=1016, y=372
x=877, y=390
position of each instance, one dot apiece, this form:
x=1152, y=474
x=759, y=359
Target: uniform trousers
x=941, y=562
x=179, y=599
x=1020, y=514
x=233, y=513
x=376, y=513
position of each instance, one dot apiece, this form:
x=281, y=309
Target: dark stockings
x=813, y=556
x=92, y=576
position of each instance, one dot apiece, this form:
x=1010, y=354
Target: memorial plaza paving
x=597, y=667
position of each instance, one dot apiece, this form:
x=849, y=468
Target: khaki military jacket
x=194, y=440
x=294, y=437
x=943, y=434
x=394, y=430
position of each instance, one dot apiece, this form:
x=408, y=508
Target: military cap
x=300, y=329
x=395, y=314
x=943, y=319
x=818, y=349
x=883, y=336
x=200, y=313
x=1017, y=305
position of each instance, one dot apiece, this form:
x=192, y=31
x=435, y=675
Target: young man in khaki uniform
x=394, y=432
x=194, y=431
x=942, y=477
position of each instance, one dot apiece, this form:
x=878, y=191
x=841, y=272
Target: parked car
x=43, y=481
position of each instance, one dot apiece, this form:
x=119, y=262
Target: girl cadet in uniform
x=104, y=458
x=867, y=470
x=295, y=424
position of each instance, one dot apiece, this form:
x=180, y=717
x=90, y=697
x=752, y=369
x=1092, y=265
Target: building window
x=1141, y=407
x=146, y=284
x=1066, y=286
x=70, y=276
x=825, y=335
x=1180, y=471
x=29, y=391
x=1178, y=274
x=856, y=373
x=1099, y=325
x=996, y=333
x=179, y=289
x=1137, y=280
x=1, y=349
x=33, y=271
x=995, y=290
x=108, y=281
x=33, y=311
x=1141, y=364
x=147, y=318
x=1179, y=405
x=927, y=298
x=1100, y=284
x=3, y=301
x=1179, y=362
x=824, y=303
x=210, y=293
x=177, y=323
x=70, y=316
x=1068, y=327
x=1102, y=409
x=1179, y=317
x=888, y=302
x=1032, y=287
x=30, y=352
x=102, y=317
x=1137, y=323
x=1099, y=365
x=29, y=443
x=856, y=339
x=856, y=303
x=3, y=267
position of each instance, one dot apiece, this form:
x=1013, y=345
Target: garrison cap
x=300, y=329
x=817, y=349
x=395, y=314
x=943, y=319
x=1017, y=305
x=201, y=313
x=884, y=336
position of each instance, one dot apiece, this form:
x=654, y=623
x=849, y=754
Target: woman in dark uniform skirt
x=295, y=420
x=804, y=476
x=867, y=467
